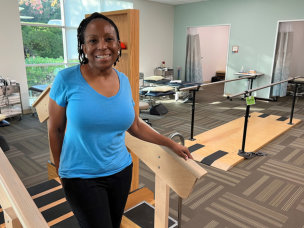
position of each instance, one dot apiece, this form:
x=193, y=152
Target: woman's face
x=100, y=44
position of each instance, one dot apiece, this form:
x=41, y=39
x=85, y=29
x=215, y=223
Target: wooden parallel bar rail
x=195, y=88
x=262, y=87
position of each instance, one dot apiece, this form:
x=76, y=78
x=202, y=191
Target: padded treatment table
x=38, y=88
x=159, y=82
x=158, y=94
x=175, y=85
x=156, y=91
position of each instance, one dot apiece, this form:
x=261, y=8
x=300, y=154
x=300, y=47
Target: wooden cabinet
x=10, y=101
x=127, y=22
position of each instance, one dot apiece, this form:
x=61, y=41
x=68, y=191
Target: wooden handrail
x=170, y=171
x=179, y=174
x=15, y=198
x=41, y=105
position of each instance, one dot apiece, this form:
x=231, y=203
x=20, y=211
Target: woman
x=90, y=109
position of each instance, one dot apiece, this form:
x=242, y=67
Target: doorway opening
x=288, y=55
x=214, y=43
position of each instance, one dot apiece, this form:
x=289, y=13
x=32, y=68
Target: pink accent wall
x=296, y=63
x=214, y=46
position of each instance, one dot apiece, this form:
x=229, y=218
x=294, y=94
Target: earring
x=86, y=56
x=118, y=52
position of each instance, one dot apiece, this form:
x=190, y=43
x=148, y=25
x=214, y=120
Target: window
x=49, y=31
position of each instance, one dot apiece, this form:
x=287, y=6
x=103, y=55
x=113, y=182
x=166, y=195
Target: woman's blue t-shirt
x=94, y=141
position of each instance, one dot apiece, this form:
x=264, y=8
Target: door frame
x=216, y=25
x=276, y=41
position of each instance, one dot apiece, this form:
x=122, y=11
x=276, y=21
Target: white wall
x=11, y=54
x=214, y=46
x=156, y=22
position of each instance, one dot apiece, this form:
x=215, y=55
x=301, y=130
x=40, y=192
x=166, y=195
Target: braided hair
x=80, y=35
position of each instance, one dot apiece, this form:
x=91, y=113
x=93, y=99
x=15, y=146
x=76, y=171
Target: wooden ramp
x=219, y=147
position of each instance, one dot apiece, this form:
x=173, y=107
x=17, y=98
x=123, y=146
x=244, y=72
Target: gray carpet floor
x=261, y=192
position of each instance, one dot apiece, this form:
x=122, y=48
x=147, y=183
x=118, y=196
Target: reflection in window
x=39, y=11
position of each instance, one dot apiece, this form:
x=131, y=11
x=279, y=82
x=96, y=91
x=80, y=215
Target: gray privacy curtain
x=282, y=61
x=193, y=68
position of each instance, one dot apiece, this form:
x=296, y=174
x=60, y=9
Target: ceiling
x=177, y=2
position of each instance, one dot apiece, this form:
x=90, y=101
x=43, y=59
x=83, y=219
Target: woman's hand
x=143, y=131
x=181, y=151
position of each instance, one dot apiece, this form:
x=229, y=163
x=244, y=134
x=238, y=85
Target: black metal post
x=293, y=102
x=251, y=83
x=192, y=117
x=245, y=127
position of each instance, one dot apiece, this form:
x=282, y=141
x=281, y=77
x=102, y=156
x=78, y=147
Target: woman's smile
x=102, y=56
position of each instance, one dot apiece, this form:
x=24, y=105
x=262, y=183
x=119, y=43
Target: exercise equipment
x=158, y=109
x=219, y=146
x=196, y=88
x=248, y=93
x=170, y=171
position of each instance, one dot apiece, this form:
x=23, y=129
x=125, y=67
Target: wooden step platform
x=49, y=198
x=219, y=147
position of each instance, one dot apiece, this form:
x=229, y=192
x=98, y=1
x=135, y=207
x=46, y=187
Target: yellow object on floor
x=2, y=117
x=219, y=146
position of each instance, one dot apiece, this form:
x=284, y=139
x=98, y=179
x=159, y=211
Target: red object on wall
x=122, y=45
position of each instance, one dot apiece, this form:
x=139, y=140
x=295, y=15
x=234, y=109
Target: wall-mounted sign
x=235, y=49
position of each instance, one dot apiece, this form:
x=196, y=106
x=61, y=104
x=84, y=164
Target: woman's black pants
x=99, y=202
